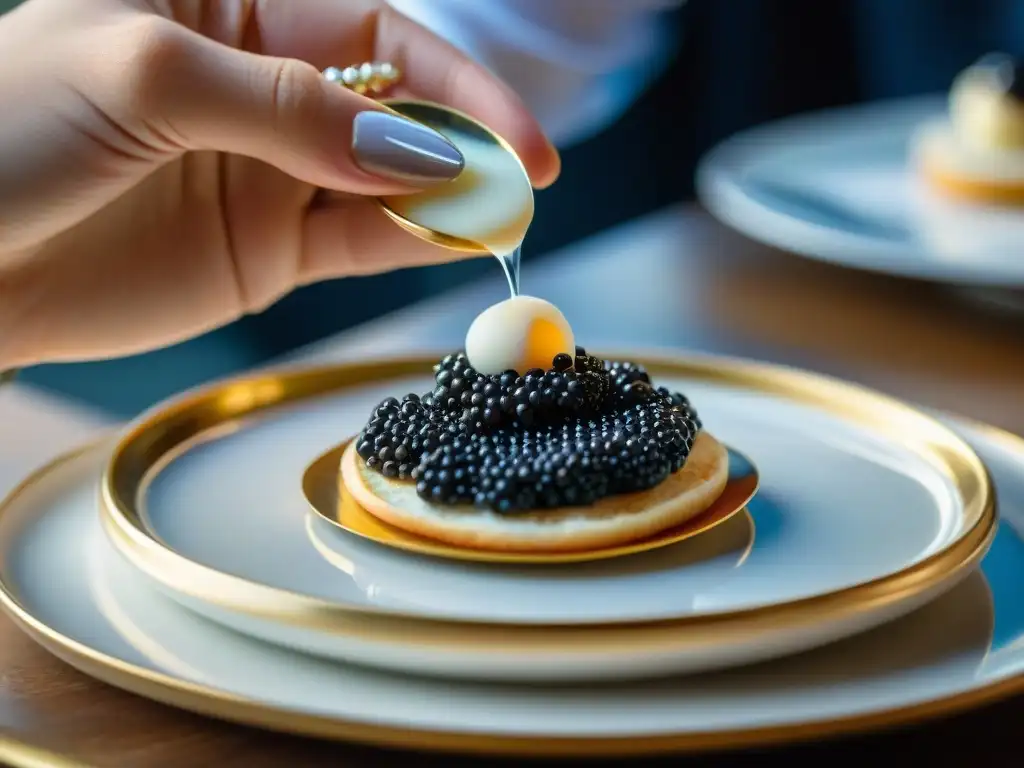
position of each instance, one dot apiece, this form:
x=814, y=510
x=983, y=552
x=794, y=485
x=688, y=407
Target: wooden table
x=676, y=280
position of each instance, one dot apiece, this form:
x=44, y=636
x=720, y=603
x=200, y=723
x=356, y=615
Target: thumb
x=203, y=95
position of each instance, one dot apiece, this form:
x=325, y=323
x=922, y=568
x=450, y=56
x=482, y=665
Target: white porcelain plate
x=65, y=585
x=224, y=527
x=838, y=186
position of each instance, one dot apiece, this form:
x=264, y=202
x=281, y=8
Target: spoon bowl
x=455, y=126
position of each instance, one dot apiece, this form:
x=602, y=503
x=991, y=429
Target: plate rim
x=208, y=700
x=182, y=418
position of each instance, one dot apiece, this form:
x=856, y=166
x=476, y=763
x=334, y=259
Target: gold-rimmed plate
x=959, y=652
x=866, y=509
x=329, y=498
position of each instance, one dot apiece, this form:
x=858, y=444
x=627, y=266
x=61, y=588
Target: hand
x=160, y=162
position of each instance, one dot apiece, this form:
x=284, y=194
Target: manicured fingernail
x=392, y=147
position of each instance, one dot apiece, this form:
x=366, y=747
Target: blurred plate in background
x=838, y=186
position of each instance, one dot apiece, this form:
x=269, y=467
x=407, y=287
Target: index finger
x=344, y=32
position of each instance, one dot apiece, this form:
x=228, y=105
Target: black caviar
x=568, y=436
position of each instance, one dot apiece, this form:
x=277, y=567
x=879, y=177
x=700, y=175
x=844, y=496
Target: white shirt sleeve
x=578, y=64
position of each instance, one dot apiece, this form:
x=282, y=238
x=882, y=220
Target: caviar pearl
x=565, y=435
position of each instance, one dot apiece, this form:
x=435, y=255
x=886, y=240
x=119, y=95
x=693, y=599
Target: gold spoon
x=375, y=78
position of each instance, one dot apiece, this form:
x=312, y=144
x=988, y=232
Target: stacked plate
x=201, y=559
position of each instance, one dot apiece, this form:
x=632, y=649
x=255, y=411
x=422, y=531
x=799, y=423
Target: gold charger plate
x=226, y=406
x=206, y=699
x=327, y=495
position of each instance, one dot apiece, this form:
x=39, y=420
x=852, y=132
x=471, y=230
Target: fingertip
x=548, y=173
x=543, y=164
x=540, y=157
